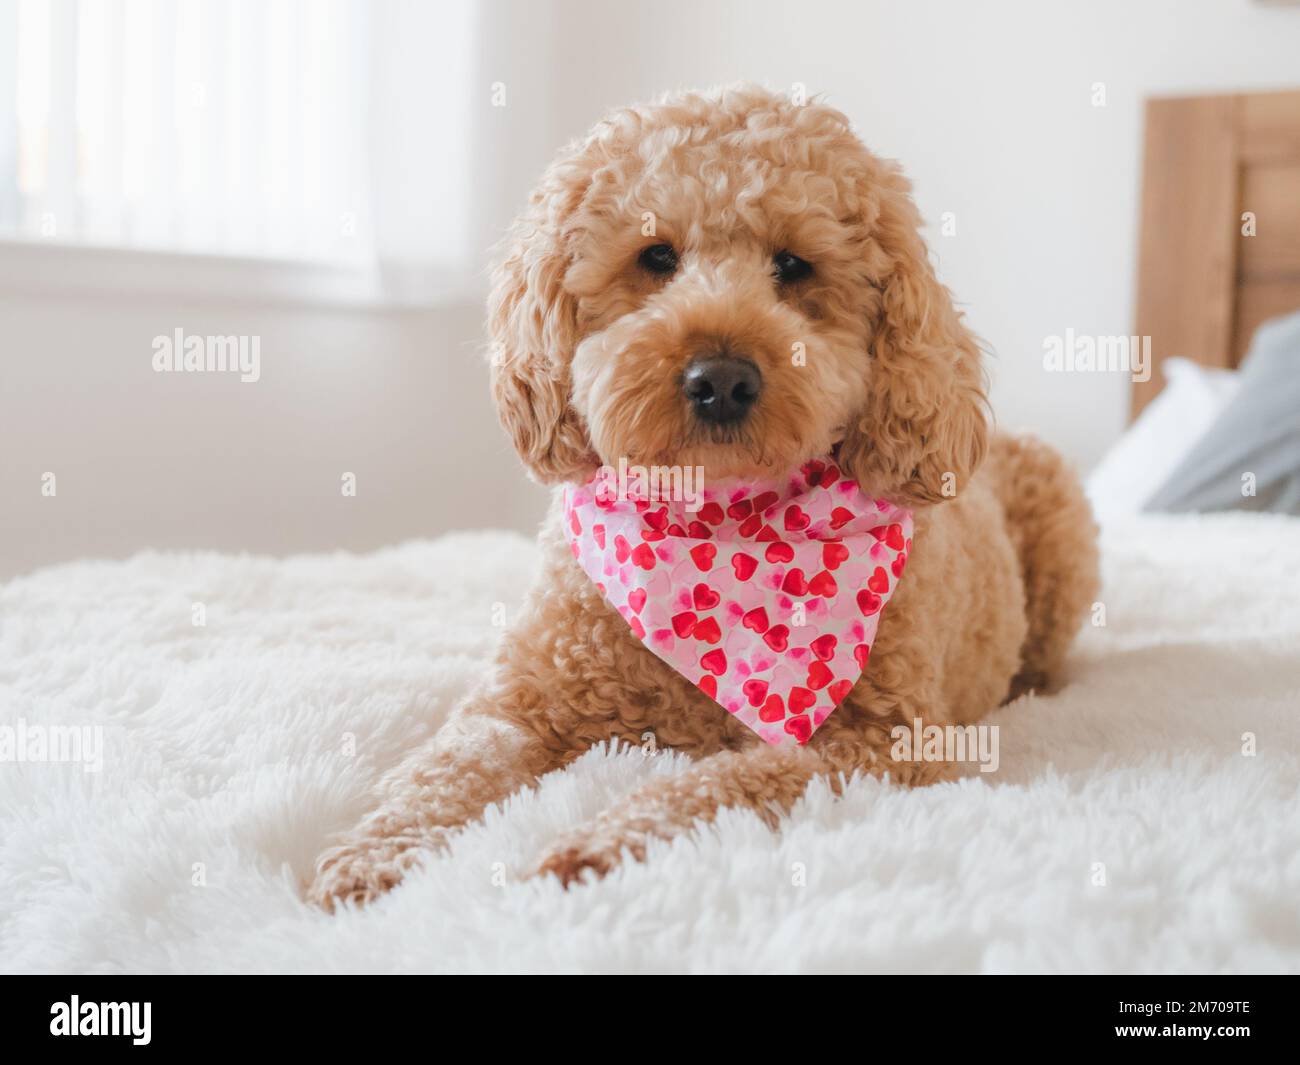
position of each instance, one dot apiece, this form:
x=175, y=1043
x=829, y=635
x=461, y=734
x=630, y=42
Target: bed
x=1144, y=819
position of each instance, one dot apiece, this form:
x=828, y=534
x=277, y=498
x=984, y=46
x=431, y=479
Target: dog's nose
x=722, y=387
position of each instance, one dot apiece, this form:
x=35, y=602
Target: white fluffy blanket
x=1126, y=830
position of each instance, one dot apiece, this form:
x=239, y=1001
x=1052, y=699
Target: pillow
x=1140, y=461
x=1249, y=459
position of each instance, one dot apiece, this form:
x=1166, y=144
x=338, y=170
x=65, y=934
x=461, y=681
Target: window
x=232, y=128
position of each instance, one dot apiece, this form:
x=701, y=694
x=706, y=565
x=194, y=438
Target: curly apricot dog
x=771, y=229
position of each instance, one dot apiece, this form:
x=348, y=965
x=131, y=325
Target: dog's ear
x=924, y=429
x=532, y=325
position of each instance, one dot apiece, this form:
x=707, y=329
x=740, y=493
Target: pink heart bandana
x=767, y=596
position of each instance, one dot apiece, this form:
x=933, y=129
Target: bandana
x=767, y=596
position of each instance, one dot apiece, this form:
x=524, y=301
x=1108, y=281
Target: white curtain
x=321, y=130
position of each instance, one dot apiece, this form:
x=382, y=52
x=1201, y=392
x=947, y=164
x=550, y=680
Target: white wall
x=143, y=459
x=988, y=106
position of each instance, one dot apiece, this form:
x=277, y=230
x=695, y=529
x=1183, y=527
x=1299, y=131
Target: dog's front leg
x=478, y=757
x=765, y=779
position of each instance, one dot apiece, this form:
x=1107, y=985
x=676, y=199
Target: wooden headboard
x=1203, y=284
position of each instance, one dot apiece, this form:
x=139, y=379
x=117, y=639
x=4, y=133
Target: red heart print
x=699, y=530
x=824, y=646
x=840, y=516
x=755, y=691
x=650, y=536
x=756, y=620
x=862, y=652
x=773, y=710
x=636, y=599
x=574, y=523
x=839, y=691
x=898, y=564
x=796, y=520
x=890, y=535
x=744, y=565
x=702, y=555
x=767, y=533
x=622, y=549
x=879, y=581
x=795, y=582
x=712, y=513
x=598, y=534
x=638, y=630
x=800, y=699
x=750, y=525
x=741, y=509
x=676, y=530
x=657, y=519
x=707, y=630
x=818, y=675
x=823, y=584
x=779, y=552
x=684, y=623
x=777, y=637
x=715, y=662
x=868, y=602
x=709, y=686
x=833, y=554
x=705, y=597
x=643, y=556
x=829, y=476
x=799, y=727
x=764, y=500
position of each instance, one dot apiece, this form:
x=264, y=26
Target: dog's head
x=733, y=281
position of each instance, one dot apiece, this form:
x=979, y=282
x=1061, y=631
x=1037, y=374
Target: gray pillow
x=1257, y=433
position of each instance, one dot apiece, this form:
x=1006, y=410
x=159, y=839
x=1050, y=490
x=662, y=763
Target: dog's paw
x=358, y=873
x=571, y=863
x=573, y=858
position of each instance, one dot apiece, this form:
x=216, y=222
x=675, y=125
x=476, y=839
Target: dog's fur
x=588, y=352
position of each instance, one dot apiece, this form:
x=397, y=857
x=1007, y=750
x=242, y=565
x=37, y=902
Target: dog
x=677, y=256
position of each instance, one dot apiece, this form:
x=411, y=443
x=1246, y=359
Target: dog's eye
x=790, y=268
x=658, y=259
